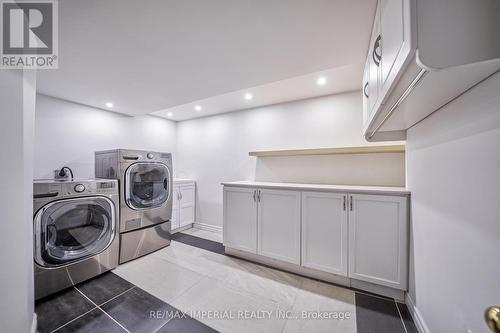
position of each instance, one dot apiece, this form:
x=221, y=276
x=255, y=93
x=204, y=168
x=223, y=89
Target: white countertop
x=180, y=180
x=323, y=187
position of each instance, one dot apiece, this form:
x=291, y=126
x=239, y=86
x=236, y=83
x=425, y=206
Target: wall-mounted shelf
x=331, y=151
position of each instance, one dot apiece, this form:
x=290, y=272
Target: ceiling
x=154, y=55
x=338, y=80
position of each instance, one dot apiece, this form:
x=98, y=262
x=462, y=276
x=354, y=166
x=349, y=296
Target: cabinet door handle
x=343, y=203
x=258, y=196
x=375, y=56
x=350, y=203
x=364, y=90
x=254, y=195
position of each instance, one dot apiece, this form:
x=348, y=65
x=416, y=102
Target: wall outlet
x=58, y=177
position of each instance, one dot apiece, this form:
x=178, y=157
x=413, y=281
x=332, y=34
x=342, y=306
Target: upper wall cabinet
x=422, y=55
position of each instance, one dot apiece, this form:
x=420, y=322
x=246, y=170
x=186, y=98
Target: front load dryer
x=145, y=180
x=75, y=229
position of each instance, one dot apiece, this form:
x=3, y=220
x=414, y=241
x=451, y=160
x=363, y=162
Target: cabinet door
x=186, y=205
x=392, y=34
x=374, y=57
x=279, y=225
x=324, y=232
x=366, y=91
x=175, y=208
x=240, y=218
x=378, y=239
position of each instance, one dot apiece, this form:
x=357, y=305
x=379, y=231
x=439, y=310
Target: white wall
x=68, y=134
x=453, y=167
x=17, y=93
x=215, y=149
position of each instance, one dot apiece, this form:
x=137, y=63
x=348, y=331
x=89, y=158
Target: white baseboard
x=207, y=227
x=34, y=324
x=181, y=229
x=417, y=317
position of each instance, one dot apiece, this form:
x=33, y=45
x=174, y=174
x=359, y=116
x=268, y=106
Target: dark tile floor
x=202, y=243
x=109, y=303
x=381, y=315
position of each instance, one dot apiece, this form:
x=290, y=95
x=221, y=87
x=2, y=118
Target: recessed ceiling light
x=248, y=96
x=197, y=107
x=109, y=104
x=170, y=114
x=321, y=81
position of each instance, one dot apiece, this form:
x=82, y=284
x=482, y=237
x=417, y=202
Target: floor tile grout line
x=186, y=268
x=334, y=284
x=109, y=300
x=113, y=319
x=307, y=277
x=168, y=321
x=203, y=276
x=389, y=299
x=107, y=314
x=355, y=290
x=72, y=320
x=235, y=288
x=400, y=316
x=176, y=264
x=185, y=291
x=343, y=287
x=303, y=276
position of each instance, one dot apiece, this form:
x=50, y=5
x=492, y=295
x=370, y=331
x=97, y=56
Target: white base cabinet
x=183, y=204
x=378, y=239
x=264, y=222
x=278, y=225
x=240, y=218
x=324, y=232
x=363, y=237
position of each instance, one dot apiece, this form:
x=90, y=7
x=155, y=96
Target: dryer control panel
x=50, y=189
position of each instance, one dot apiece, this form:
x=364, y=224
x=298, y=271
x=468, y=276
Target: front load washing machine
x=145, y=180
x=75, y=232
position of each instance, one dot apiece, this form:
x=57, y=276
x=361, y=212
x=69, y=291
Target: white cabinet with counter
x=183, y=204
x=359, y=233
x=264, y=222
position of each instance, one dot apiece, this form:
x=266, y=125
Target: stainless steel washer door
x=70, y=230
x=147, y=185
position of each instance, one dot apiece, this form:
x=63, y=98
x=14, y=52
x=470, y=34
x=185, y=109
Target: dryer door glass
x=73, y=229
x=147, y=185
